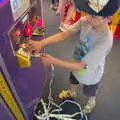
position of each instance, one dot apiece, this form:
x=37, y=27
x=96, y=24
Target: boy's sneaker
x=53, y=7
x=61, y=27
x=57, y=12
x=67, y=94
x=88, y=108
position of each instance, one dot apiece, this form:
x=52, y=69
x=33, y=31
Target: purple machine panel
x=4, y=113
x=28, y=82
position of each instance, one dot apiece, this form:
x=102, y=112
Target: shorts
x=88, y=90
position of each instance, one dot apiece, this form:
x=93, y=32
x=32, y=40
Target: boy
x=91, y=50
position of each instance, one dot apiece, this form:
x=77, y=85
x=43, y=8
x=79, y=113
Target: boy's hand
x=47, y=59
x=35, y=46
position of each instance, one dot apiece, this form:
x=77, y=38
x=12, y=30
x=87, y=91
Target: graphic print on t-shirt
x=83, y=47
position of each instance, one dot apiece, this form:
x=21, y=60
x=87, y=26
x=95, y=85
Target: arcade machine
x=21, y=75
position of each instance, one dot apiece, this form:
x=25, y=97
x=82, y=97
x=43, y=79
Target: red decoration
x=117, y=32
x=18, y=32
x=28, y=30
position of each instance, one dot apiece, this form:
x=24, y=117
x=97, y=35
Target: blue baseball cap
x=98, y=7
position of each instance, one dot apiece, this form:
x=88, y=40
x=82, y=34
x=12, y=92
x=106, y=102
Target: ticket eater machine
x=21, y=76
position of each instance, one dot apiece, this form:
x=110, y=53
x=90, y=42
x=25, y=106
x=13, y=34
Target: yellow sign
x=23, y=58
x=116, y=17
x=115, y=21
x=9, y=99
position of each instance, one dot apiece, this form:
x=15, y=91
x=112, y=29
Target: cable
x=50, y=99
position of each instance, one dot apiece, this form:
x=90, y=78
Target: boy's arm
x=70, y=64
x=48, y=59
x=37, y=45
x=57, y=37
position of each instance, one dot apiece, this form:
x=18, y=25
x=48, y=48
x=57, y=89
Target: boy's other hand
x=47, y=59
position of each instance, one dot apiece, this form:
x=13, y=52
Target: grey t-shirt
x=92, y=48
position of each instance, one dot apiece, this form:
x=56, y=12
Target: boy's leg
x=73, y=83
x=52, y=4
x=90, y=91
x=59, y=7
x=53, y=1
x=72, y=91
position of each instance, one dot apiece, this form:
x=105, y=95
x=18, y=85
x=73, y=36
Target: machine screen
x=19, y=7
x=15, y=4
